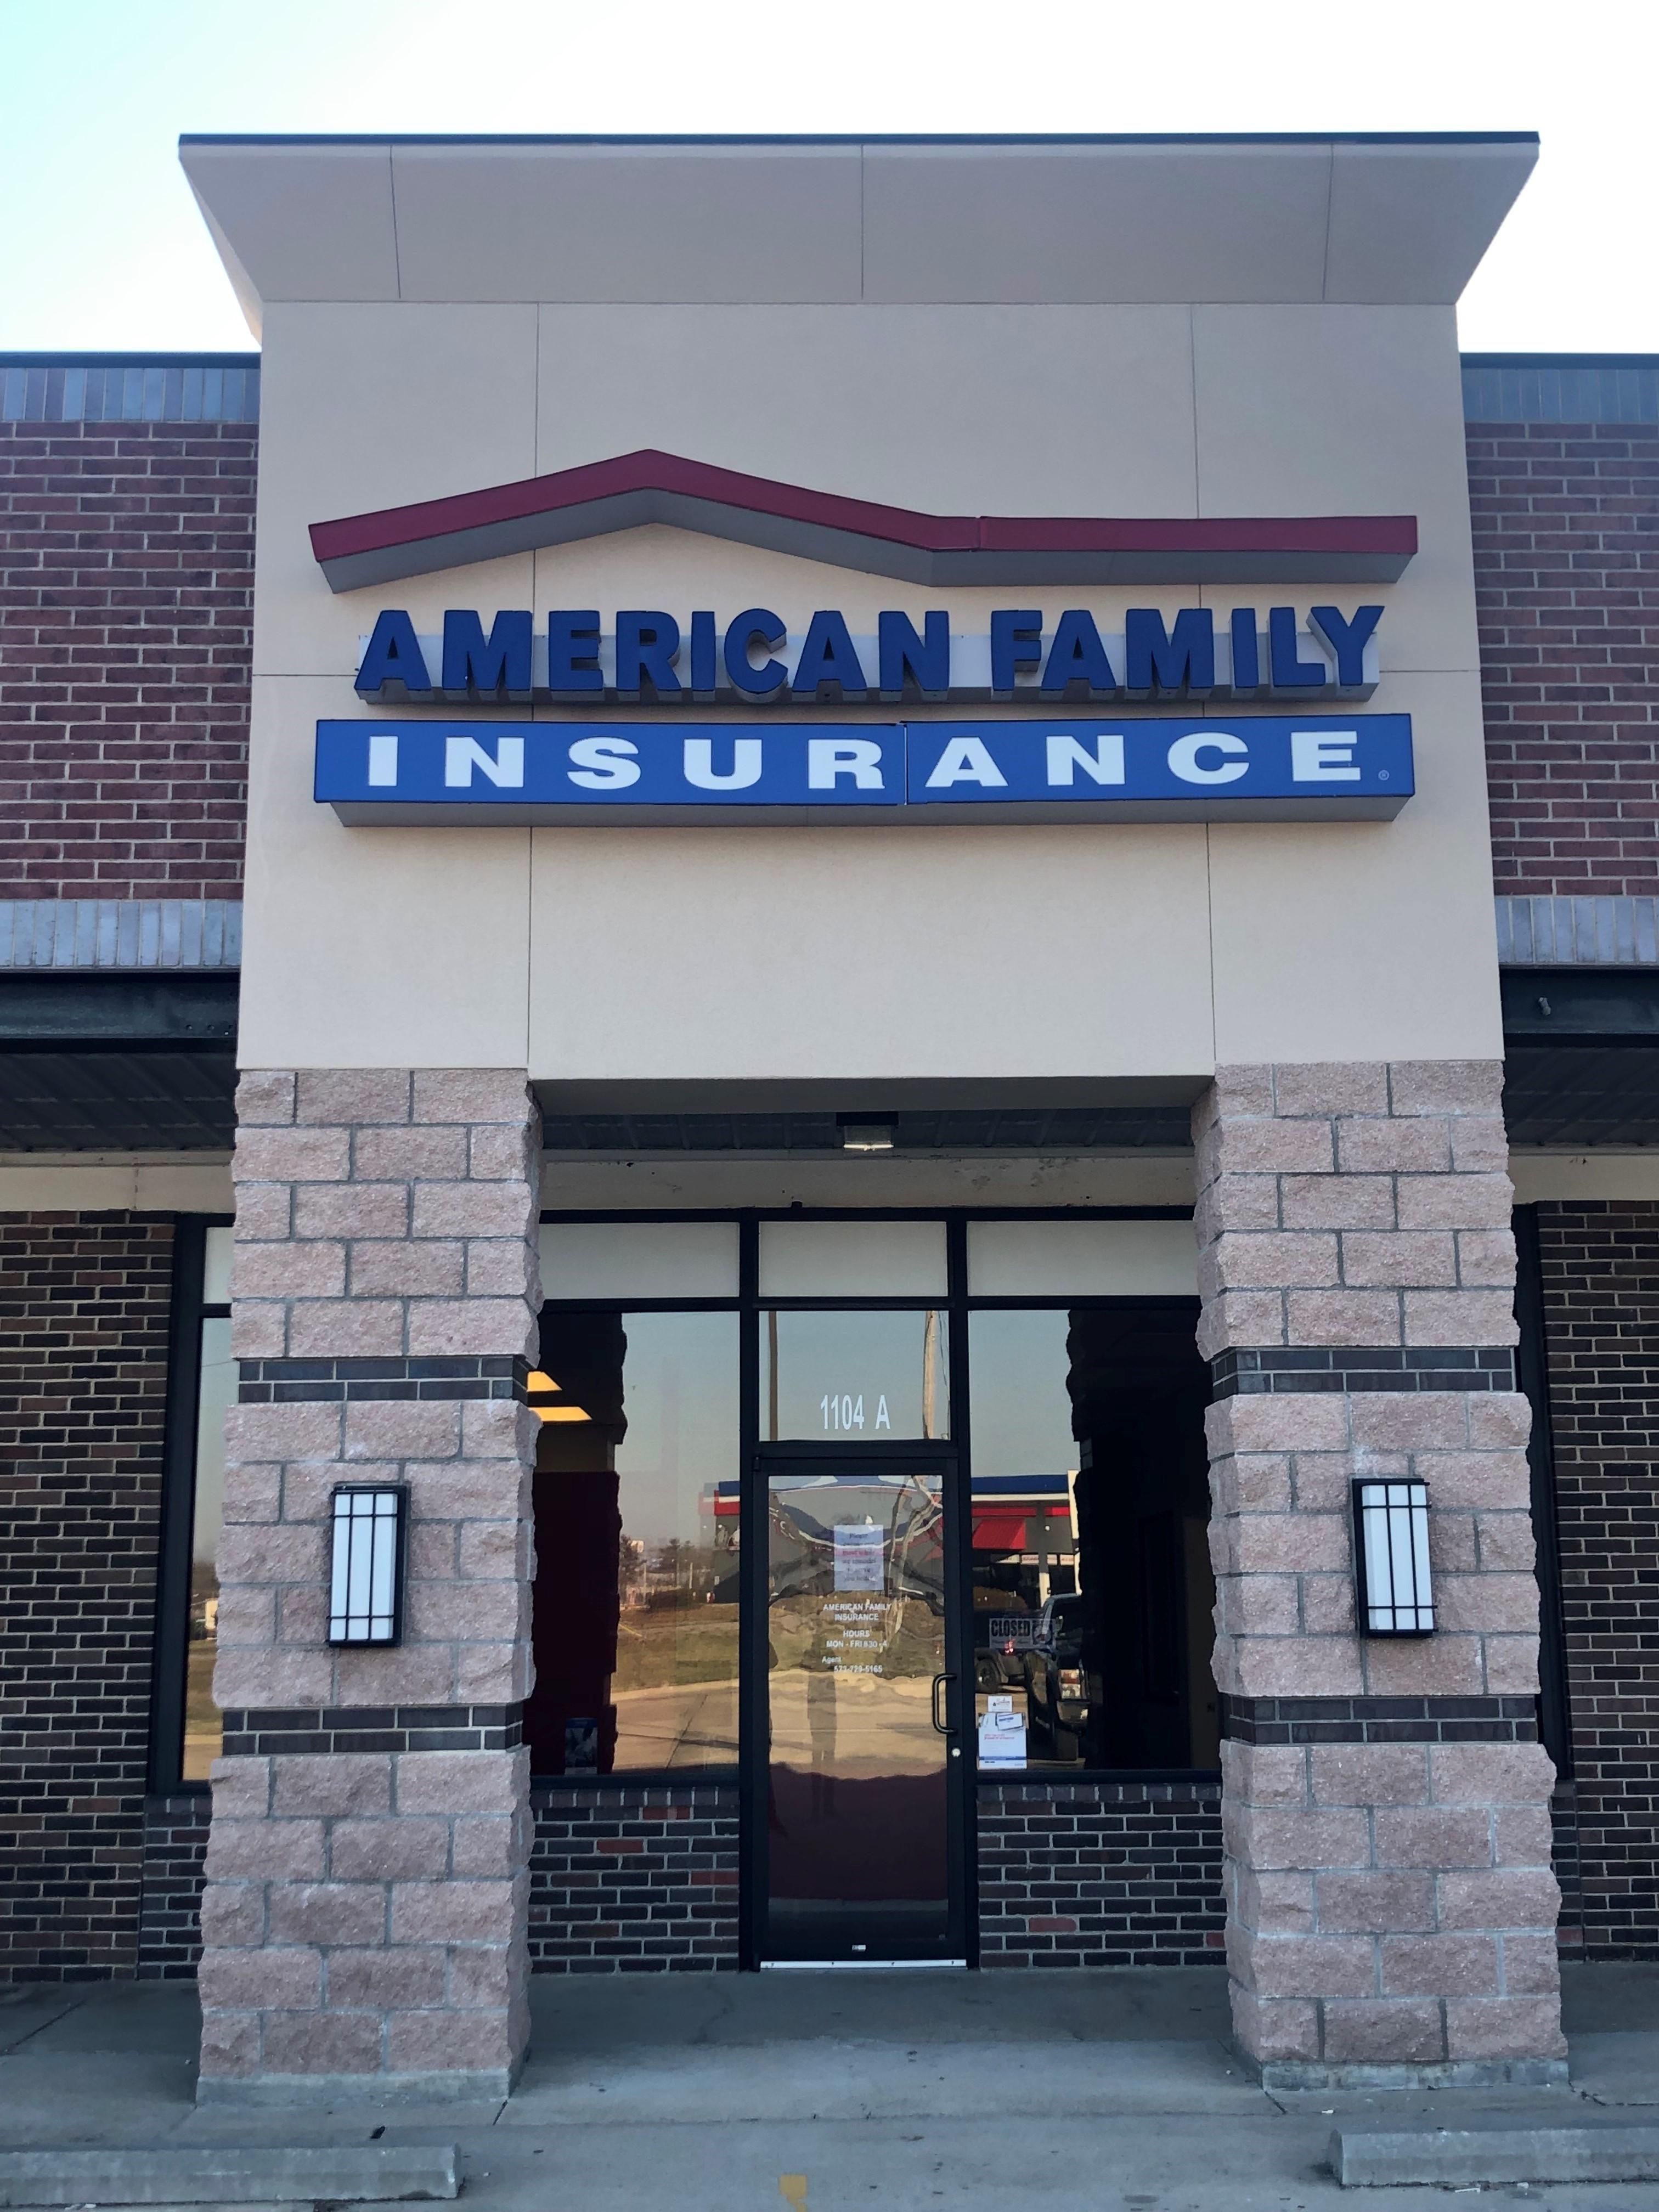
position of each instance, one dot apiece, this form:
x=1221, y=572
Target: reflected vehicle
x=1058, y=1686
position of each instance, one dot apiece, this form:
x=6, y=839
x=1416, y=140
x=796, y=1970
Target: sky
x=101, y=245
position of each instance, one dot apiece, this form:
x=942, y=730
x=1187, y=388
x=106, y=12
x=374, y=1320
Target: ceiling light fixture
x=859, y=1136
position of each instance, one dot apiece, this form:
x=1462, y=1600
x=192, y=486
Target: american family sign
x=1046, y=766
x=1265, y=768
x=754, y=659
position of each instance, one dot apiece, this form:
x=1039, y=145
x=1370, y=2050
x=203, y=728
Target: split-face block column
x=1391, y=1909
x=364, y=1919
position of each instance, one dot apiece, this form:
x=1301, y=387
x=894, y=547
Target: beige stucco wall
x=941, y=955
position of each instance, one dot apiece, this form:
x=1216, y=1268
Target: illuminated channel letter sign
x=1147, y=768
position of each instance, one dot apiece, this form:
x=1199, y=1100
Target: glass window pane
x=636, y=1544
x=215, y=1268
x=1093, y=1594
x=601, y=1260
x=852, y=1260
x=836, y=1378
x=1082, y=1259
x=203, y=1730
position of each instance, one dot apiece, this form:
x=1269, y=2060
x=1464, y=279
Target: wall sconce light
x=366, y=1579
x=1393, y=1592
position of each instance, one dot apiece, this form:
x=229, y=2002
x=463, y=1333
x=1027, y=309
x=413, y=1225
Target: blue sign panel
x=1135, y=768
x=1106, y=764
x=491, y=765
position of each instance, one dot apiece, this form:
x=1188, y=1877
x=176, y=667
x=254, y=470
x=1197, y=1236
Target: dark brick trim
x=637, y=1880
x=287, y=1382
x=1385, y=1367
x=1600, y=1266
x=175, y=1845
x=261, y=1731
x=84, y=1306
x=1379, y=1720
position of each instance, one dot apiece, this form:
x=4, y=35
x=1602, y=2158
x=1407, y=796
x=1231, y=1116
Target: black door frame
x=934, y=1456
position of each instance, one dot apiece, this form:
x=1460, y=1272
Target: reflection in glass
x=854, y=1377
x=855, y=1626
x=635, y=1621
x=1093, y=1593
x=852, y=1260
x=204, y=1731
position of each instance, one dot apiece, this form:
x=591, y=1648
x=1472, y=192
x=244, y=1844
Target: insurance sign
x=1147, y=768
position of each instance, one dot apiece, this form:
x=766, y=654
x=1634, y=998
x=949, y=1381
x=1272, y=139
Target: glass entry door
x=859, y=1855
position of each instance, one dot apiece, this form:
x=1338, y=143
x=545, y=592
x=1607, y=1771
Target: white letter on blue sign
x=829, y=758
x=1184, y=752
x=1104, y=765
x=604, y=764
x=1324, y=756
x=463, y=754
x=383, y=758
x=965, y=760
x=700, y=764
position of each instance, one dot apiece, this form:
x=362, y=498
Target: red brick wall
x=126, y=581
x=634, y=1879
x=1566, y=567
x=83, y=1345
x=1100, y=1874
x=1601, y=1279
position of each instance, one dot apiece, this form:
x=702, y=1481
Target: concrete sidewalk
x=927, y=2090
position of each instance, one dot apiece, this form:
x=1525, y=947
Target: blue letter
x=1247, y=652
x=394, y=656
x=755, y=625
x=703, y=656
x=926, y=658
x=1016, y=643
x=828, y=656
x=646, y=645
x=1347, y=639
x=572, y=650
x=1156, y=661
x=503, y=663
x=1290, y=671
x=1076, y=656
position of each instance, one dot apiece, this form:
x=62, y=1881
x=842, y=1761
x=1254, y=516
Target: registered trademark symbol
x=1381, y=776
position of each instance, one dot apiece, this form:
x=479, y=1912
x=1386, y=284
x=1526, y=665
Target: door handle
x=939, y=1682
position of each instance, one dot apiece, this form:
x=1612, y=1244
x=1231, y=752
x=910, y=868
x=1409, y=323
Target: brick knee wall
x=170, y=1916
x=1600, y=1282
x=83, y=1358
x=1100, y=1874
x=634, y=1879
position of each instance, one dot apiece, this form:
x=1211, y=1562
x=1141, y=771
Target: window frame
x=187, y=1310
x=959, y=1304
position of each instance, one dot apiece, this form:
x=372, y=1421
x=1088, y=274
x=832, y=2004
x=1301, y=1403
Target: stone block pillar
x=1391, y=1909
x=364, y=1921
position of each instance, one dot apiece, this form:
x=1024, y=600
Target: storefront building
x=772, y=1193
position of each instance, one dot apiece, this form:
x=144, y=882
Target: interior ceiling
x=135, y=1100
